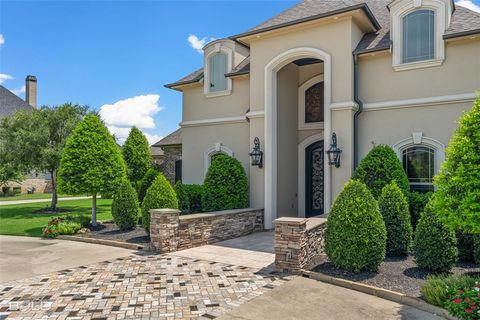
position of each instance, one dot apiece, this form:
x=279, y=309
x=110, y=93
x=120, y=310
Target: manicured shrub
x=417, y=202
x=457, y=199
x=476, y=248
x=137, y=156
x=125, y=206
x=465, y=246
x=437, y=290
x=380, y=167
x=355, y=237
x=146, y=182
x=182, y=196
x=195, y=193
x=394, y=209
x=435, y=245
x=464, y=303
x=226, y=185
x=160, y=195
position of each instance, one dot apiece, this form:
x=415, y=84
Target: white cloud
x=2, y=39
x=4, y=77
x=197, y=43
x=19, y=91
x=469, y=5
x=137, y=111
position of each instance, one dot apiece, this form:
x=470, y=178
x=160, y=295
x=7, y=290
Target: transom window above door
x=311, y=102
x=419, y=165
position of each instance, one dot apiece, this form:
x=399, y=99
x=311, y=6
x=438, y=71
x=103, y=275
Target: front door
x=314, y=179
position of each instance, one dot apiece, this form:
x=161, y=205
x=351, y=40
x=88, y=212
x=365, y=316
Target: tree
x=92, y=163
x=457, y=199
x=35, y=141
x=380, y=167
x=137, y=156
x=146, y=182
x=125, y=206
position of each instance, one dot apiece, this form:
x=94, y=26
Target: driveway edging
x=378, y=292
x=112, y=243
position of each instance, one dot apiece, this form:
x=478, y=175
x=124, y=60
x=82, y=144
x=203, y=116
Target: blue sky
x=118, y=54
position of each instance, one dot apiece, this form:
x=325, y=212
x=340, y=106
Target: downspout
x=358, y=112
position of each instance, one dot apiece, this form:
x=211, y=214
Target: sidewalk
x=7, y=203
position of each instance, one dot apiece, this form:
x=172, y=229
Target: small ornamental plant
x=465, y=303
x=125, y=207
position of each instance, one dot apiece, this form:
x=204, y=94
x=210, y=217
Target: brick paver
x=136, y=287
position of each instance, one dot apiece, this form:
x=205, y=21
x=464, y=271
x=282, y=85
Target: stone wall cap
x=217, y=213
x=290, y=220
x=315, y=222
x=164, y=211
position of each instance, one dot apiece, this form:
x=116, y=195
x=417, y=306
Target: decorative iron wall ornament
x=334, y=152
x=256, y=154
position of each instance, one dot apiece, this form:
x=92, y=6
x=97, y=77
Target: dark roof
x=191, y=78
x=174, y=138
x=10, y=102
x=242, y=68
x=463, y=22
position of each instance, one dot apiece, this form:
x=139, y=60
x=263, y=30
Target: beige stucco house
x=372, y=72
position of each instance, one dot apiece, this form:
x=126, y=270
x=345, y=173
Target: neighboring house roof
x=463, y=22
x=156, y=152
x=10, y=102
x=174, y=138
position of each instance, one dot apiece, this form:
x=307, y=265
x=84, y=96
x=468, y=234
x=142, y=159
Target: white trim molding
x=302, y=125
x=301, y=170
x=217, y=148
x=212, y=122
x=270, y=93
x=221, y=46
x=345, y=105
x=255, y=114
x=420, y=102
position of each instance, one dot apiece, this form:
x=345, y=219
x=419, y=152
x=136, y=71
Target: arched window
x=418, y=36
x=217, y=71
x=212, y=152
x=419, y=165
x=314, y=103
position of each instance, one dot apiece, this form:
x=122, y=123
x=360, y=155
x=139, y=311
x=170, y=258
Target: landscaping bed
x=107, y=230
x=395, y=274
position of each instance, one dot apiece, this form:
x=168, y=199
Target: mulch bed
x=396, y=274
x=109, y=231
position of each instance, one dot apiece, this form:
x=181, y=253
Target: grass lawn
x=20, y=220
x=30, y=197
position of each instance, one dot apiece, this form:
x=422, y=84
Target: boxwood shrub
x=146, y=182
x=355, y=236
x=195, y=193
x=160, y=195
x=182, y=196
x=125, y=207
x=380, y=167
x=394, y=209
x=225, y=186
x=435, y=245
x=417, y=202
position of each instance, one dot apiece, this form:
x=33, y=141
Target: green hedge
x=394, y=209
x=195, y=194
x=182, y=197
x=380, y=167
x=417, y=202
x=146, y=182
x=125, y=207
x=160, y=195
x=465, y=246
x=355, y=237
x=225, y=186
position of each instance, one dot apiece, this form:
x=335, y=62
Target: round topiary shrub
x=394, y=209
x=160, y=195
x=125, y=206
x=182, y=196
x=355, y=236
x=380, y=167
x=417, y=202
x=225, y=186
x=146, y=182
x=435, y=245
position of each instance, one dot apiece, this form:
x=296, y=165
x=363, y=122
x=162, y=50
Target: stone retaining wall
x=170, y=231
x=299, y=243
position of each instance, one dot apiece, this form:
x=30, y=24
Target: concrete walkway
x=7, y=203
x=303, y=298
x=24, y=257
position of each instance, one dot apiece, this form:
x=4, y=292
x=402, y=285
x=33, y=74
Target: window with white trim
x=209, y=155
x=418, y=36
x=419, y=165
x=217, y=71
x=218, y=61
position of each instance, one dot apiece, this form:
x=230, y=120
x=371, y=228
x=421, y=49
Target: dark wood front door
x=314, y=156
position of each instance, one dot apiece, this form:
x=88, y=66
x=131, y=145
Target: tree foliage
x=91, y=163
x=146, y=182
x=182, y=196
x=137, y=156
x=125, y=208
x=457, y=199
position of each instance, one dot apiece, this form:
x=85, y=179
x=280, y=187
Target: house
x=9, y=104
x=171, y=146
x=351, y=73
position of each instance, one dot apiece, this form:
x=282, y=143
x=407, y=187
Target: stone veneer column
x=164, y=229
x=289, y=235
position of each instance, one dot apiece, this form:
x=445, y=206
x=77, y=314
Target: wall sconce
x=334, y=152
x=256, y=154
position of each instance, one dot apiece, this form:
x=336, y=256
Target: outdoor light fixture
x=256, y=154
x=334, y=152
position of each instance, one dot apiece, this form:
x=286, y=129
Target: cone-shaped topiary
x=417, y=202
x=394, y=209
x=146, y=182
x=435, y=245
x=195, y=193
x=226, y=185
x=160, y=195
x=125, y=208
x=355, y=237
x=457, y=199
x=380, y=167
x=137, y=156
x=182, y=196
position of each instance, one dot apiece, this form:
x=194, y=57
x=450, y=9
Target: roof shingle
x=174, y=138
x=10, y=102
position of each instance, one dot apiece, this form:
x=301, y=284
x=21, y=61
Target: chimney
x=31, y=91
